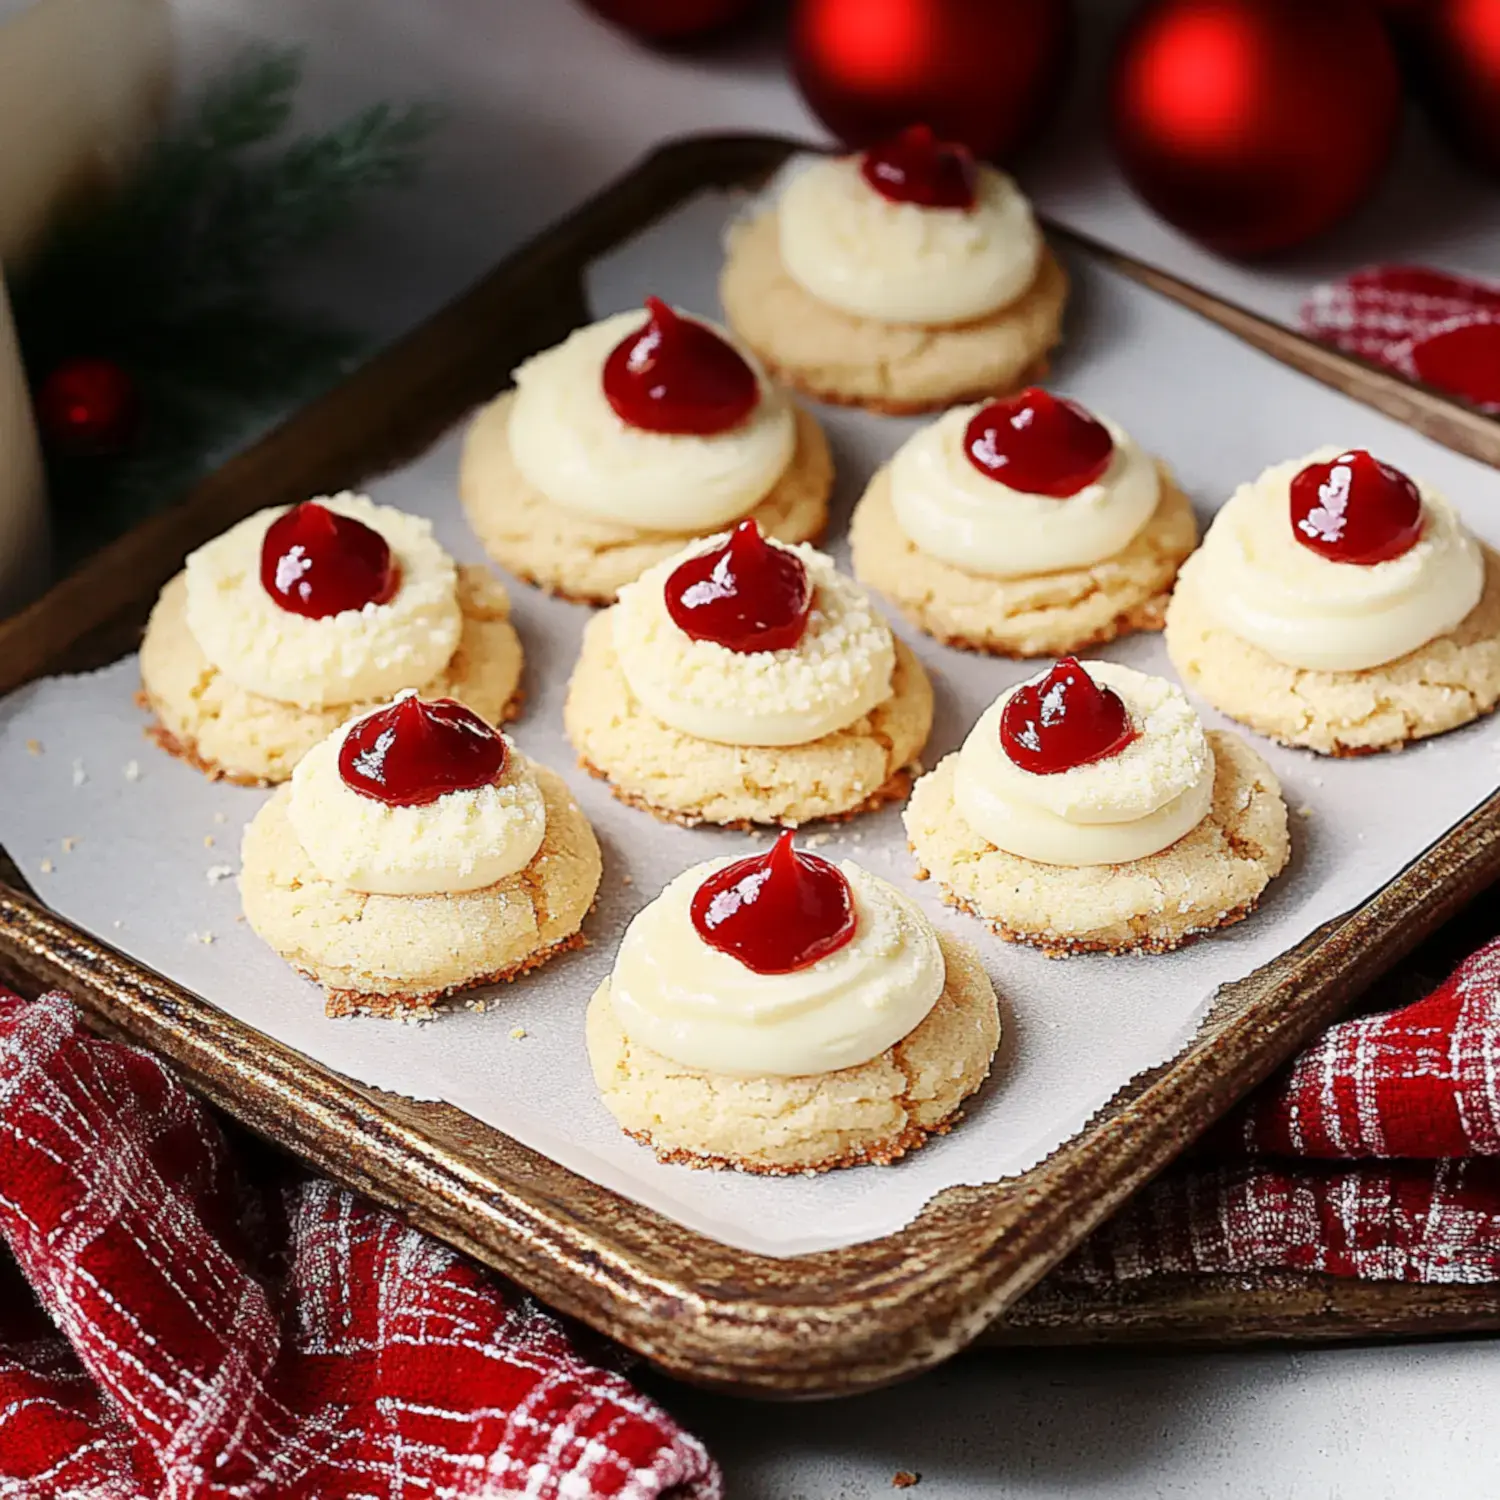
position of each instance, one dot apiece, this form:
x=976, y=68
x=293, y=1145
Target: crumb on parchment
x=518, y=1033
x=216, y=873
x=132, y=770
x=47, y=867
x=208, y=841
x=69, y=843
x=33, y=747
x=80, y=773
x=904, y=1479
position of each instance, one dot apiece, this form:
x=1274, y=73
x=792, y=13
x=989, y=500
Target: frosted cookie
x=1024, y=527
x=414, y=853
x=744, y=681
x=1338, y=605
x=1088, y=810
x=299, y=618
x=779, y=1014
x=634, y=436
x=902, y=279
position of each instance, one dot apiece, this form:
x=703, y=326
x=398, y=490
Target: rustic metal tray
x=831, y=1322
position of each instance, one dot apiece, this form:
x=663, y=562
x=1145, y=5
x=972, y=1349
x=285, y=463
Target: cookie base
x=420, y=1004
x=1209, y=879
x=234, y=735
x=891, y=368
x=1049, y=614
x=1442, y=685
x=587, y=560
x=394, y=955
x=689, y=781
x=869, y=1115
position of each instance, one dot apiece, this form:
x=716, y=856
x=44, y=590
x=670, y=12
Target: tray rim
x=717, y=1316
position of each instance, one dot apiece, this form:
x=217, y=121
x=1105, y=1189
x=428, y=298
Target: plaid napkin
x=1423, y=324
x=218, y=1342
x=1377, y=1155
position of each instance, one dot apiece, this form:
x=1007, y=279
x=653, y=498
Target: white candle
x=23, y=510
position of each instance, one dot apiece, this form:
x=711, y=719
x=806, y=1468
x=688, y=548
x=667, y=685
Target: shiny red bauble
x=413, y=752
x=1040, y=445
x=674, y=374
x=1253, y=125
x=745, y=595
x=88, y=408
x=1064, y=721
x=671, y=20
x=1455, y=45
x=916, y=167
x=984, y=72
x=775, y=912
x=316, y=562
x=1355, y=509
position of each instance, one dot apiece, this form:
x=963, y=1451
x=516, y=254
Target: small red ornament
x=1253, y=125
x=1355, y=509
x=1063, y=721
x=671, y=20
x=1039, y=445
x=413, y=752
x=674, y=374
x=746, y=595
x=88, y=408
x=317, y=563
x=983, y=72
x=1455, y=45
x=776, y=912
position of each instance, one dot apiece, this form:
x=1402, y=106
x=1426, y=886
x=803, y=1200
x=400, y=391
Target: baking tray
x=836, y=1321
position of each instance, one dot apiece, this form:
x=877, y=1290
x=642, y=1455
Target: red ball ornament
x=671, y=20
x=1254, y=125
x=1456, y=50
x=981, y=72
x=88, y=408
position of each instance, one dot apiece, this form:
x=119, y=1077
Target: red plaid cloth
x=1424, y=324
x=221, y=1344
x=1408, y=1101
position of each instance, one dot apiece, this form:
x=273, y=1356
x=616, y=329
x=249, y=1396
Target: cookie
x=1450, y=681
x=235, y=735
x=687, y=780
x=1051, y=614
x=888, y=367
x=393, y=955
x=587, y=559
x=1209, y=879
x=873, y=1113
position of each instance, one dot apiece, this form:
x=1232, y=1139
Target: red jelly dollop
x=916, y=167
x=746, y=595
x=316, y=562
x=1355, y=509
x=1065, y=720
x=677, y=375
x=414, y=752
x=776, y=912
x=1040, y=445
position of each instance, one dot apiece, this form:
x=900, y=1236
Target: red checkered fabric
x=219, y=1342
x=1406, y=318
x=1377, y=1154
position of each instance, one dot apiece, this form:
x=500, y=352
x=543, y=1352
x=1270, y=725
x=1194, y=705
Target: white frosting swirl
x=1156, y=790
x=704, y=1009
x=568, y=443
x=352, y=657
x=463, y=841
x=853, y=248
x=960, y=516
x=1309, y=611
x=837, y=672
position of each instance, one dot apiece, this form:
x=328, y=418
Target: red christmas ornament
x=88, y=408
x=1455, y=45
x=980, y=72
x=671, y=20
x=1253, y=125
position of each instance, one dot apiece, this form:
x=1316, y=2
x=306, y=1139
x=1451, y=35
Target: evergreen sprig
x=172, y=279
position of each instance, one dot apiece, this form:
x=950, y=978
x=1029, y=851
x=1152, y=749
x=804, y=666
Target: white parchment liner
x=141, y=875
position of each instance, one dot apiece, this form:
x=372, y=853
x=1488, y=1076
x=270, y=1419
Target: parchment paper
x=142, y=877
